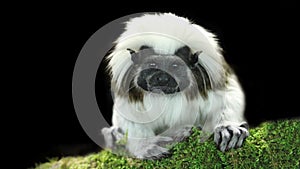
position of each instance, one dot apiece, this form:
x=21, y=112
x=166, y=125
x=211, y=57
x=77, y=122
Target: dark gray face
x=167, y=74
x=160, y=73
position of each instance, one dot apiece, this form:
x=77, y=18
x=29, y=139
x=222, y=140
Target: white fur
x=161, y=111
x=166, y=33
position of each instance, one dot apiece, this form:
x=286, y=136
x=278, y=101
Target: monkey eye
x=175, y=65
x=152, y=65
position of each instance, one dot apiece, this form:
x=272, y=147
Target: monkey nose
x=163, y=79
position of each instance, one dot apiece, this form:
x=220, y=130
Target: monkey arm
x=225, y=117
x=231, y=129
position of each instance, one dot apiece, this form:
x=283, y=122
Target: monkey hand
x=229, y=136
x=112, y=135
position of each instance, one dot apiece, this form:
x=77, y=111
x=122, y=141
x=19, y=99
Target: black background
x=261, y=44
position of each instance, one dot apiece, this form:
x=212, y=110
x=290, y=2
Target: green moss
x=271, y=145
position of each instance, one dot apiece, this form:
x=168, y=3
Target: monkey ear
x=133, y=54
x=131, y=51
x=193, y=59
x=186, y=54
x=144, y=47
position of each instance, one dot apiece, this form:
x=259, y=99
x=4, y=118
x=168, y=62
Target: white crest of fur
x=195, y=36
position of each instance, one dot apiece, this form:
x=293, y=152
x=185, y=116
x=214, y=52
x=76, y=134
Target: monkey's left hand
x=229, y=136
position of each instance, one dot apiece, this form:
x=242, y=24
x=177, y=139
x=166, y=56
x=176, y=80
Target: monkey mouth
x=163, y=89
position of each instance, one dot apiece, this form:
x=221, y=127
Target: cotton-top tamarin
x=167, y=75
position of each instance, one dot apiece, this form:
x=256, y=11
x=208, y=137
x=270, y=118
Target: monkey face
x=154, y=71
x=157, y=73
x=167, y=74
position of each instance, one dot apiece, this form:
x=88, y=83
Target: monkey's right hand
x=112, y=135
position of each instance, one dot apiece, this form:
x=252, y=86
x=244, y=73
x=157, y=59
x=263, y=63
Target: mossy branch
x=271, y=145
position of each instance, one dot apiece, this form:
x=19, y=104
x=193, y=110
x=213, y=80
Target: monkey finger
x=117, y=132
x=225, y=140
x=235, y=135
x=244, y=135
